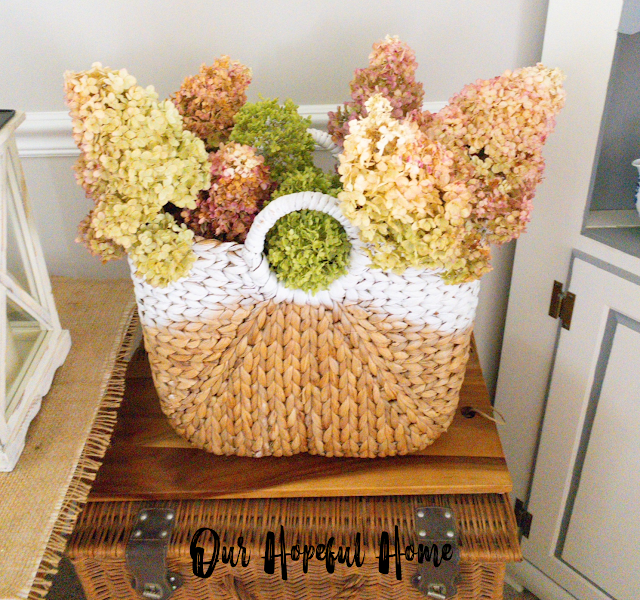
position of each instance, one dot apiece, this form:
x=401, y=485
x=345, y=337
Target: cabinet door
x=580, y=39
x=585, y=496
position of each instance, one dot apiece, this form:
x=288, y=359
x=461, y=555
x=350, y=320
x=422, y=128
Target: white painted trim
x=45, y=134
x=48, y=134
x=534, y=580
x=40, y=383
x=318, y=113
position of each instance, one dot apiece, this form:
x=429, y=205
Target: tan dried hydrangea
x=399, y=190
x=135, y=156
x=209, y=100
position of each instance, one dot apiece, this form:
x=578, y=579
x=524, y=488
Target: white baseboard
x=45, y=134
x=48, y=134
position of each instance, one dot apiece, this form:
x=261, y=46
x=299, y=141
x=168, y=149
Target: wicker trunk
x=486, y=536
x=313, y=498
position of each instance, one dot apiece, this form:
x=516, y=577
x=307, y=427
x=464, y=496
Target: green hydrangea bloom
x=309, y=179
x=276, y=132
x=308, y=250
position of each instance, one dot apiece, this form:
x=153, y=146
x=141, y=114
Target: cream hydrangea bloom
x=120, y=221
x=163, y=251
x=135, y=157
x=399, y=190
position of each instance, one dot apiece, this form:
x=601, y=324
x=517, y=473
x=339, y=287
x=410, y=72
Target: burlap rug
x=40, y=500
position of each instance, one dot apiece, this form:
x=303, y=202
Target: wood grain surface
x=149, y=461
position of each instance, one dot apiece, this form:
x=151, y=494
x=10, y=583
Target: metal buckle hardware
x=435, y=527
x=146, y=554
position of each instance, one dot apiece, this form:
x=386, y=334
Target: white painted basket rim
x=259, y=268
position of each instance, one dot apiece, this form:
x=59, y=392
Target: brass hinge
x=523, y=517
x=562, y=305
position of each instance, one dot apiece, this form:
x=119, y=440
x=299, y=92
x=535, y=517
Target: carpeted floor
x=65, y=584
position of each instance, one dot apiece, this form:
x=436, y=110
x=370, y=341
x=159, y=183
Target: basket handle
x=323, y=139
x=267, y=217
x=253, y=249
x=278, y=208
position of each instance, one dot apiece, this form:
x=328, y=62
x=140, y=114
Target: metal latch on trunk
x=146, y=554
x=438, y=542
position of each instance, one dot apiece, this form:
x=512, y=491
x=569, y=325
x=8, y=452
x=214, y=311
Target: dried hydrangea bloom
x=496, y=130
x=309, y=179
x=209, y=100
x=240, y=186
x=399, y=190
x=163, y=251
x=119, y=221
x=132, y=146
x=391, y=72
x=278, y=133
x=135, y=156
x=104, y=248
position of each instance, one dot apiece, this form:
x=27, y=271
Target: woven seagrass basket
x=370, y=367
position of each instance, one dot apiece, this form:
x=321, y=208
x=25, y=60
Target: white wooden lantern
x=32, y=343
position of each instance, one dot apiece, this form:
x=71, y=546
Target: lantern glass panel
x=23, y=339
x=17, y=255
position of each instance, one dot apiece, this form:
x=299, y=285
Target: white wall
x=303, y=50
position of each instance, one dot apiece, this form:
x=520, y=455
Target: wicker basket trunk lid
x=486, y=530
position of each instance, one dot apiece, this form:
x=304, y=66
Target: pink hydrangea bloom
x=240, y=185
x=496, y=130
x=391, y=73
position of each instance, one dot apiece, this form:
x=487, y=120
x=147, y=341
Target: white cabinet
x=585, y=493
x=571, y=398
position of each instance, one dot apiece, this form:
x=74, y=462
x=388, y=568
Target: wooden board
x=149, y=461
